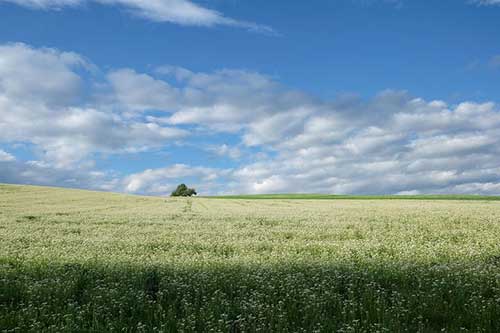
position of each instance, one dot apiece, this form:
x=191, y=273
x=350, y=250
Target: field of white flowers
x=85, y=261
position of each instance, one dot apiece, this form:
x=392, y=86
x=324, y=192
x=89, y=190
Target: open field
x=86, y=261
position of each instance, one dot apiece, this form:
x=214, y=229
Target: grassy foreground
x=85, y=261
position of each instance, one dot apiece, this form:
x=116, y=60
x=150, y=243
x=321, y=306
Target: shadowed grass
x=283, y=297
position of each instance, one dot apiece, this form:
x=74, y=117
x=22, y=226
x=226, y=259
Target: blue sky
x=237, y=96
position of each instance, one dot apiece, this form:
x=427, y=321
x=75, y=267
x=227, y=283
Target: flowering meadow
x=80, y=261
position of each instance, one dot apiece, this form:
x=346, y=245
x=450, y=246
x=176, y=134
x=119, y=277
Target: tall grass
x=84, y=261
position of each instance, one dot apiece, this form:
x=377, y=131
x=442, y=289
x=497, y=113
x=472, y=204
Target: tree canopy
x=183, y=191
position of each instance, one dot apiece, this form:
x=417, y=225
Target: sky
x=251, y=96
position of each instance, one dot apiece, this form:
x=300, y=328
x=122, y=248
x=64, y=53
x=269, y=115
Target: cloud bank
x=181, y=12
x=279, y=139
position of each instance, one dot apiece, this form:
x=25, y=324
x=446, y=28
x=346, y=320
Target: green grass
x=305, y=196
x=79, y=261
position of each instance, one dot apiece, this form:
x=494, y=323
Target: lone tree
x=183, y=191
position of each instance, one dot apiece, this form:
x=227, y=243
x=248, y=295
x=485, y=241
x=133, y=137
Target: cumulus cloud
x=6, y=157
x=425, y=147
x=295, y=142
x=225, y=150
x=231, y=100
x=39, y=103
x=182, y=12
x=163, y=181
x=41, y=173
x=140, y=92
x=421, y=147
x=45, y=75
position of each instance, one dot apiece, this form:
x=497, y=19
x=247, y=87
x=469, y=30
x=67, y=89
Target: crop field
x=80, y=261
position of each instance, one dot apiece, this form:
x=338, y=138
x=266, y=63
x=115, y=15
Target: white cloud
x=41, y=173
x=446, y=145
x=434, y=150
x=163, y=181
x=182, y=12
x=225, y=150
x=44, y=75
x=232, y=100
x=39, y=92
x=6, y=157
x=140, y=92
x=272, y=184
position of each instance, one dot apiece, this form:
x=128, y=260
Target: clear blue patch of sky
x=22, y=151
